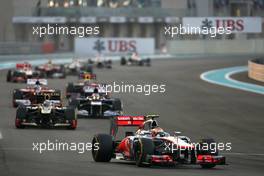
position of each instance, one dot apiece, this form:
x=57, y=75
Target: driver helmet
x=46, y=103
x=156, y=131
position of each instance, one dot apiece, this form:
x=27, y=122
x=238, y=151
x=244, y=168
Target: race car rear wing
x=34, y=81
x=128, y=121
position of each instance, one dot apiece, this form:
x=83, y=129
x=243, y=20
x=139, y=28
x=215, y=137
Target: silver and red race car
x=151, y=145
x=22, y=72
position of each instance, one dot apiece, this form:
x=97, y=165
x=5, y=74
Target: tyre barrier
x=256, y=69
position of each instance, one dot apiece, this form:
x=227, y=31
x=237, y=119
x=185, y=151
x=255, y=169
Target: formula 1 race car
x=21, y=73
x=96, y=105
x=135, y=60
x=101, y=62
x=46, y=114
x=85, y=88
x=150, y=145
x=50, y=70
x=36, y=92
x=76, y=67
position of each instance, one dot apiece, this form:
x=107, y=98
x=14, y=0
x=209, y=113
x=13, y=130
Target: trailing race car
x=50, y=70
x=22, y=72
x=96, y=105
x=135, y=60
x=36, y=92
x=76, y=67
x=151, y=145
x=46, y=114
x=85, y=89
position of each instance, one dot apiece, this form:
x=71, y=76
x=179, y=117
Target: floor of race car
x=190, y=105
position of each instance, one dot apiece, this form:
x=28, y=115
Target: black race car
x=96, y=106
x=46, y=114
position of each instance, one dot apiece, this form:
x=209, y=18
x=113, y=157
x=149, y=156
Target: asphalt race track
x=194, y=107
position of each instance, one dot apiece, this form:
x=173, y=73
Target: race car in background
x=96, y=104
x=101, y=62
x=22, y=72
x=46, y=114
x=36, y=92
x=77, y=66
x=151, y=145
x=135, y=60
x=51, y=70
x=83, y=86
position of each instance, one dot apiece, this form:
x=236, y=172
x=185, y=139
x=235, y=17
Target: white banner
x=237, y=24
x=114, y=46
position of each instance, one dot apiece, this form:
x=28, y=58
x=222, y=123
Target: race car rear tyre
x=143, y=148
x=69, y=89
x=16, y=96
x=102, y=148
x=18, y=124
x=117, y=105
x=123, y=61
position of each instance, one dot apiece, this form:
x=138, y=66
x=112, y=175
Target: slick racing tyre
x=21, y=114
x=16, y=96
x=102, y=148
x=9, y=76
x=70, y=114
x=143, y=148
x=209, y=151
x=123, y=61
x=117, y=105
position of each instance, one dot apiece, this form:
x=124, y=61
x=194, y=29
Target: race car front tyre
x=102, y=148
x=9, y=76
x=21, y=114
x=143, y=148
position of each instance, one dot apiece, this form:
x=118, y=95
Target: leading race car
x=22, y=72
x=96, y=104
x=151, y=145
x=35, y=92
x=135, y=60
x=51, y=70
x=47, y=114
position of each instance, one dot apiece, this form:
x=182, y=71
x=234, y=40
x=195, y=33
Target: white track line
x=243, y=154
